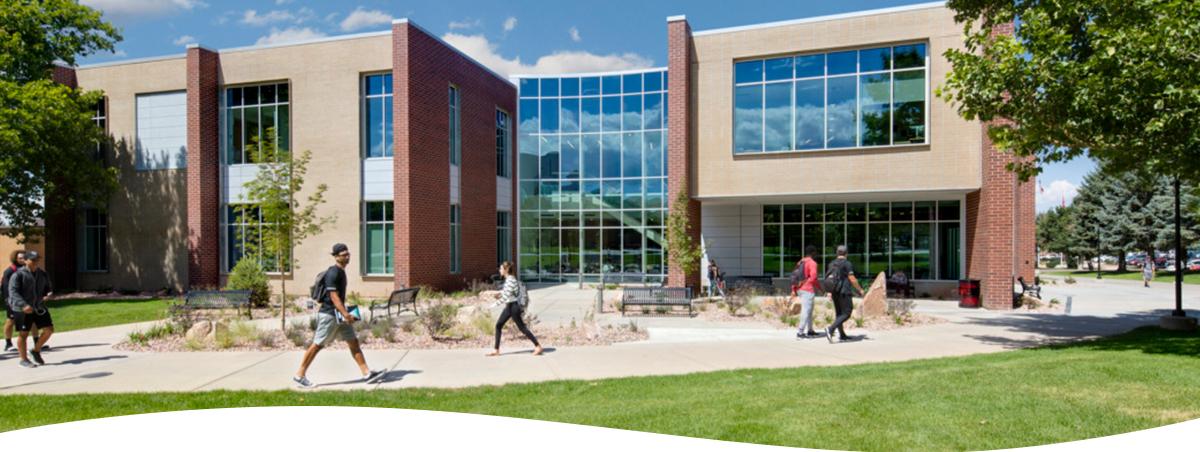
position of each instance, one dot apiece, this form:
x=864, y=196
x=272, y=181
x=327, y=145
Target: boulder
x=219, y=327
x=199, y=331
x=875, y=301
x=468, y=312
x=490, y=295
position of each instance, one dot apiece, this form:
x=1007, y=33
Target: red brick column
x=423, y=69
x=60, y=231
x=680, y=175
x=1000, y=224
x=203, y=167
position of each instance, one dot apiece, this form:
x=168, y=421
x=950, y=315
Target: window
x=377, y=115
x=503, y=236
x=95, y=241
x=503, y=140
x=455, y=239
x=379, y=231
x=250, y=113
x=161, y=140
x=243, y=225
x=455, y=133
x=919, y=238
x=857, y=98
x=100, y=118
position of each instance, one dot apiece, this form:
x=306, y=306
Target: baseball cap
x=32, y=255
x=340, y=248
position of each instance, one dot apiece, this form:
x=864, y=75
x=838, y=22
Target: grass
x=1139, y=380
x=1161, y=276
x=78, y=314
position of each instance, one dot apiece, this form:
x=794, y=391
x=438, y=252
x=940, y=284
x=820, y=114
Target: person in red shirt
x=807, y=291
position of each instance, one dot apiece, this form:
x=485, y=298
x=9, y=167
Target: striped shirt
x=511, y=293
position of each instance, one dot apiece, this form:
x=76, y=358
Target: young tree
x=286, y=221
x=47, y=137
x=682, y=250
x=1119, y=81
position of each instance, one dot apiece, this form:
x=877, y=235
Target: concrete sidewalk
x=84, y=361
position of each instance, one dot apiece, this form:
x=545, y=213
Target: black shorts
x=26, y=322
x=8, y=313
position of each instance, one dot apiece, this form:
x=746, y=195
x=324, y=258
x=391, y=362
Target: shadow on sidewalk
x=87, y=376
x=388, y=377
x=1051, y=329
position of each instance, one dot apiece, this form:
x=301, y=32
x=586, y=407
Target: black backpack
x=317, y=290
x=799, y=274
x=833, y=283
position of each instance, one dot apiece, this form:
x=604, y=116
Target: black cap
x=339, y=248
x=31, y=255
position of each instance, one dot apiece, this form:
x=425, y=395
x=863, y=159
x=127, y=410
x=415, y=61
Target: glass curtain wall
x=855, y=98
x=920, y=238
x=592, y=171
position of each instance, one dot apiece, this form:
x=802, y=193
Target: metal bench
x=216, y=299
x=656, y=296
x=398, y=299
x=1034, y=291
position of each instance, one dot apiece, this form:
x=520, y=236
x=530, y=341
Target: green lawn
x=78, y=314
x=1162, y=276
x=1139, y=380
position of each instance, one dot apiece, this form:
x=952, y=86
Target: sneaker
x=829, y=335
x=303, y=382
x=373, y=376
x=8, y=347
x=37, y=357
x=801, y=336
x=812, y=334
x=26, y=364
x=46, y=347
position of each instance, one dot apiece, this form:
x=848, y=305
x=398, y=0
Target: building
x=402, y=129
x=820, y=131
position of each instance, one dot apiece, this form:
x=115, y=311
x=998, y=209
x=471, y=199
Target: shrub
x=266, y=340
x=858, y=322
x=408, y=327
x=476, y=286
x=248, y=275
x=1054, y=302
x=483, y=323
x=738, y=298
x=1069, y=280
x=159, y=331
x=633, y=326
x=382, y=329
x=439, y=318
x=237, y=333
x=660, y=310
x=296, y=335
x=900, y=307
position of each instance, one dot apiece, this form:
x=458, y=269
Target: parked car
x=1193, y=265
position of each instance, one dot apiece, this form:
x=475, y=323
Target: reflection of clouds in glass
x=632, y=120
x=748, y=129
x=810, y=126
x=778, y=128
x=590, y=122
x=842, y=124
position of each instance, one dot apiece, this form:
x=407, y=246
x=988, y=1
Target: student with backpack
x=515, y=299
x=334, y=320
x=841, y=285
x=804, y=285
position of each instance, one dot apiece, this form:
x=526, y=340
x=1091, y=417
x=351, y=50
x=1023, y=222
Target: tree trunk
x=283, y=300
x=1121, y=261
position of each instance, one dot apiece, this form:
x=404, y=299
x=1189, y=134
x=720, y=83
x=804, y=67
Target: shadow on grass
x=1136, y=331
x=72, y=302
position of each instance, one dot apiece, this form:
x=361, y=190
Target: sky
x=511, y=37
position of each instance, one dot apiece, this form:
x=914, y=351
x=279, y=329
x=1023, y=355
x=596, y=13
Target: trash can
x=968, y=293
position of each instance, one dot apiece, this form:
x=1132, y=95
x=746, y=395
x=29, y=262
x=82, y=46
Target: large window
x=920, y=238
x=250, y=112
x=455, y=132
x=503, y=140
x=857, y=98
x=503, y=236
x=243, y=226
x=377, y=115
x=379, y=231
x=95, y=241
x=100, y=118
x=455, y=238
x=592, y=177
x=161, y=140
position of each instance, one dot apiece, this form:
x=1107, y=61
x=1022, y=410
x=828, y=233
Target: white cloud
x=1058, y=193
x=282, y=2
x=184, y=40
x=293, y=34
x=574, y=32
x=465, y=24
x=142, y=8
x=479, y=48
x=252, y=17
x=361, y=18
x=510, y=24
x=120, y=53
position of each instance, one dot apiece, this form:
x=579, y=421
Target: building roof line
x=590, y=74
x=454, y=49
x=826, y=18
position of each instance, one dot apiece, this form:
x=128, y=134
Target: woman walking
x=514, y=299
x=1147, y=272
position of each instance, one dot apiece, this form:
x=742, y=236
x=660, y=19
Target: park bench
x=398, y=299
x=198, y=300
x=656, y=296
x=1034, y=291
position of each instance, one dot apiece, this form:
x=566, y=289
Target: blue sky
x=511, y=37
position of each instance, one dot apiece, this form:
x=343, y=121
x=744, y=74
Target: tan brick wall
x=950, y=161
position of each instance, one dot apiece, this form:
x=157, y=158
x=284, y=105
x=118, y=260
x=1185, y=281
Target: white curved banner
x=355, y=428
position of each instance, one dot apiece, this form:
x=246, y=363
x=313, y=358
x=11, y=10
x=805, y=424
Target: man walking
x=17, y=260
x=842, y=272
x=329, y=326
x=27, y=292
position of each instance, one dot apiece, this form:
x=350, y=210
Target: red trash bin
x=968, y=293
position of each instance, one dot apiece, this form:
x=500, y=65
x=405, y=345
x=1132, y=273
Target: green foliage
x=438, y=318
x=483, y=323
x=382, y=329
x=159, y=331
x=248, y=275
x=47, y=137
x=1118, y=81
x=682, y=249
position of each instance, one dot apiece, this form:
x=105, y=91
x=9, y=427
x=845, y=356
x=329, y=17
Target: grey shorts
x=329, y=329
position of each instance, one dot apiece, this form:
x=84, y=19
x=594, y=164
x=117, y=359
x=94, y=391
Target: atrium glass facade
x=592, y=176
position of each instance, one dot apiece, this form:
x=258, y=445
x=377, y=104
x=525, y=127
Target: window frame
x=367, y=222
x=455, y=239
x=504, y=137
x=364, y=108
x=226, y=111
x=455, y=124
x=86, y=227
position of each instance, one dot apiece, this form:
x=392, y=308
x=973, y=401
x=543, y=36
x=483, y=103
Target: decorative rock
x=219, y=327
x=490, y=294
x=199, y=331
x=875, y=302
x=468, y=312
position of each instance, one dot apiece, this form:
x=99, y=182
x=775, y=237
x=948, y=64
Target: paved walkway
x=84, y=361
